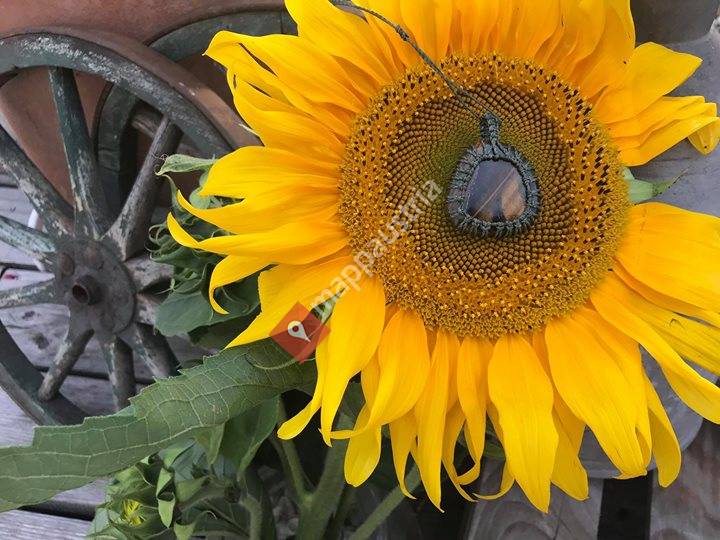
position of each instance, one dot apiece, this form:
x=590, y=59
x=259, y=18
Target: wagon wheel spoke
x=31, y=242
x=91, y=209
x=129, y=231
x=152, y=349
x=55, y=211
x=71, y=348
x=145, y=272
x=121, y=372
x=146, y=307
x=44, y=292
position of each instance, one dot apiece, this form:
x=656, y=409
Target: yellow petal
x=603, y=400
x=269, y=210
x=430, y=412
x=476, y=20
x=626, y=354
x=674, y=252
x=453, y=426
x=402, y=435
x=667, y=302
x=357, y=324
x=506, y=483
x=340, y=33
x=429, y=23
x=605, y=66
x=231, y=269
x=253, y=170
x=225, y=50
x=523, y=396
x=406, y=56
x=665, y=444
x=663, y=139
x=472, y=391
x=568, y=472
x=286, y=285
x=363, y=452
x=322, y=79
x=294, y=243
x=706, y=139
x=653, y=72
x=532, y=27
x=633, y=131
x=282, y=126
x=292, y=427
x=618, y=305
x=584, y=24
x=404, y=366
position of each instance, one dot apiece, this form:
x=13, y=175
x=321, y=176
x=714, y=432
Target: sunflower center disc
x=486, y=216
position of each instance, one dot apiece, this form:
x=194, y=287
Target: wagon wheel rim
x=95, y=254
x=116, y=117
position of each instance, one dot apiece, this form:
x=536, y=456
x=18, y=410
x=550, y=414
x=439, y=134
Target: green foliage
x=171, y=410
x=642, y=190
x=185, y=491
x=187, y=307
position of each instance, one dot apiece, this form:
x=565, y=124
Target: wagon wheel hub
x=93, y=282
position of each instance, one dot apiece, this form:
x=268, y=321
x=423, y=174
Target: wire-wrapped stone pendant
x=494, y=190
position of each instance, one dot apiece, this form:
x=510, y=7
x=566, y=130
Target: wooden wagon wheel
x=95, y=254
x=119, y=119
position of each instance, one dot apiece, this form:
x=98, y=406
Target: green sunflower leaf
x=245, y=433
x=169, y=411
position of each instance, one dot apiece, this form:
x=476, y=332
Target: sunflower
x=476, y=182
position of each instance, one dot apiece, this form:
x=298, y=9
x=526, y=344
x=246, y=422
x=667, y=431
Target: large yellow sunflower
x=505, y=274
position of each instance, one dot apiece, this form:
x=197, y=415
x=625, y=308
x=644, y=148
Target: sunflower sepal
x=642, y=190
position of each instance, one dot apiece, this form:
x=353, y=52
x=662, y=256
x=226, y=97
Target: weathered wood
x=71, y=348
x=146, y=306
x=119, y=361
x=690, y=507
x=33, y=243
x=14, y=205
x=24, y=525
x=513, y=516
x=34, y=293
x=38, y=331
x=56, y=212
x=129, y=231
x=151, y=349
x=145, y=272
x=91, y=211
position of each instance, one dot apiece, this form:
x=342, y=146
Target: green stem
x=386, y=507
x=290, y=460
x=338, y=521
x=321, y=505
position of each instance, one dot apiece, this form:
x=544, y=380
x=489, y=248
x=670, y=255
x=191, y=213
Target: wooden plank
x=24, y=525
x=512, y=516
x=16, y=430
x=690, y=507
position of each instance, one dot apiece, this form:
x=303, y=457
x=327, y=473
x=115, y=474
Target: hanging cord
x=462, y=95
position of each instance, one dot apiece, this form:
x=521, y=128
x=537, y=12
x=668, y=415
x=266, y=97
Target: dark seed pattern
x=416, y=131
